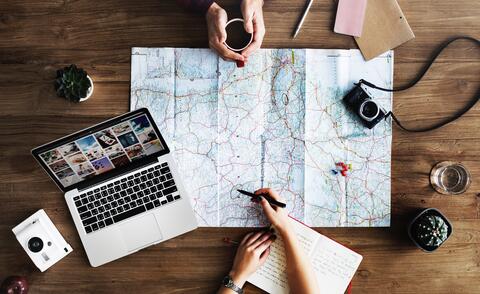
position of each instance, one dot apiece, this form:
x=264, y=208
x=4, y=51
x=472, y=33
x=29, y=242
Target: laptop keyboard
x=122, y=199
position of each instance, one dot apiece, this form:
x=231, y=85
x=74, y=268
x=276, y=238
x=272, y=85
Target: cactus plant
x=431, y=230
x=73, y=83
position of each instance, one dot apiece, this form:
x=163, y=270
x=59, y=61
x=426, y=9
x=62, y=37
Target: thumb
x=267, y=208
x=248, y=18
x=264, y=255
x=222, y=33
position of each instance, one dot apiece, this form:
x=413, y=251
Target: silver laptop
x=121, y=184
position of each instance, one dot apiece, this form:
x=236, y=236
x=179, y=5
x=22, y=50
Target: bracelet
x=228, y=283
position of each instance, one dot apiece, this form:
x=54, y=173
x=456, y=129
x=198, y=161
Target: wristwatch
x=228, y=283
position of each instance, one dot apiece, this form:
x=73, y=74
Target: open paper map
x=277, y=122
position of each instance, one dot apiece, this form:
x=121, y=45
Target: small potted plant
x=73, y=84
x=429, y=230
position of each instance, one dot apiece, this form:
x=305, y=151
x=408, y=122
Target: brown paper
x=385, y=27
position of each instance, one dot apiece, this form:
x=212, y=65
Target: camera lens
x=369, y=110
x=35, y=244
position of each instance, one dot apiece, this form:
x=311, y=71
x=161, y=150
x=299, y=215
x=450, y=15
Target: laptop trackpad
x=140, y=232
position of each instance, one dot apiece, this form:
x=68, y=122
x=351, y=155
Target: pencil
x=300, y=23
x=230, y=241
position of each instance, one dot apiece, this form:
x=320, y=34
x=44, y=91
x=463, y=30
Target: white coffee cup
x=249, y=42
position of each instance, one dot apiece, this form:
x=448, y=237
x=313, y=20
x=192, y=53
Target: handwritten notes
x=333, y=263
x=273, y=271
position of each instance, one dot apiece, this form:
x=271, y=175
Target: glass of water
x=450, y=178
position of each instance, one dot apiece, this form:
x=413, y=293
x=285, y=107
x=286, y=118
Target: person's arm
x=301, y=276
x=251, y=254
x=252, y=11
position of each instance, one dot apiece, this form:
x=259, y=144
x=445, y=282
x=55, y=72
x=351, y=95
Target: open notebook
x=334, y=264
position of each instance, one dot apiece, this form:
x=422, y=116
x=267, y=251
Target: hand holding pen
x=256, y=197
x=277, y=216
x=253, y=250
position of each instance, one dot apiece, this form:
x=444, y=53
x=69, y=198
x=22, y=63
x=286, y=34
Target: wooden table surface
x=39, y=36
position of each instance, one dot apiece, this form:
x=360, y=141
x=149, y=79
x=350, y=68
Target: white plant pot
x=89, y=92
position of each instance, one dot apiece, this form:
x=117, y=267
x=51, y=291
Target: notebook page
x=272, y=276
x=334, y=265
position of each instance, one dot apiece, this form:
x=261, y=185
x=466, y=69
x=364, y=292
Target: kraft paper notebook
x=385, y=27
x=334, y=264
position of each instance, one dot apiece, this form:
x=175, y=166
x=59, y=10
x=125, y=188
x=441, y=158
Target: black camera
x=360, y=102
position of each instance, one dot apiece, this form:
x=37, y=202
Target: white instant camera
x=41, y=240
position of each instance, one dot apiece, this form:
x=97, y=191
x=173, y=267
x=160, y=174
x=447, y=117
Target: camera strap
x=419, y=76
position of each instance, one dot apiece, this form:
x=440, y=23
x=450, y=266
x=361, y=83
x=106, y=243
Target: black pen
x=266, y=196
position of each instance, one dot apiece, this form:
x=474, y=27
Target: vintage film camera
x=41, y=240
x=361, y=103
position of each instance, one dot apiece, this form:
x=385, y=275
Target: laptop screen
x=98, y=151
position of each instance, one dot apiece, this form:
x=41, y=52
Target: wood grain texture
x=39, y=36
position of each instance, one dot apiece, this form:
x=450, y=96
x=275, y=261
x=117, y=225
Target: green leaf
x=72, y=83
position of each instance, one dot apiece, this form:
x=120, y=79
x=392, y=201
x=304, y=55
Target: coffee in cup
x=237, y=38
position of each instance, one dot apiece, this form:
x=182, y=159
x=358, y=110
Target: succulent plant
x=72, y=83
x=431, y=230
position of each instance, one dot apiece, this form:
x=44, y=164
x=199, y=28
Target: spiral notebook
x=334, y=264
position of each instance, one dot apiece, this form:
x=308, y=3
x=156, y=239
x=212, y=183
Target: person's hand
x=277, y=216
x=216, y=22
x=251, y=254
x=253, y=16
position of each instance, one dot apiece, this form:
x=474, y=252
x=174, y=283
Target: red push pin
x=344, y=168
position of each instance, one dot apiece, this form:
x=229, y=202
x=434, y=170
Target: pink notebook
x=350, y=16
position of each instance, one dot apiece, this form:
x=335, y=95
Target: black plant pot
x=412, y=233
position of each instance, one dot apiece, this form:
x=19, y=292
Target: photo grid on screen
x=103, y=151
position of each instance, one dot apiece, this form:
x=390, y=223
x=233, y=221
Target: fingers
x=218, y=35
x=254, y=46
x=264, y=255
x=254, y=238
x=228, y=54
x=266, y=236
x=254, y=21
x=245, y=239
x=221, y=32
x=257, y=245
x=218, y=45
x=270, y=192
x=264, y=246
x=248, y=13
x=263, y=191
x=224, y=52
x=258, y=35
x=267, y=209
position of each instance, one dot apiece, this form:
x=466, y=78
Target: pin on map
x=342, y=168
